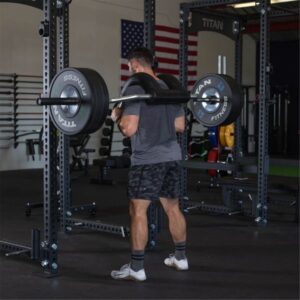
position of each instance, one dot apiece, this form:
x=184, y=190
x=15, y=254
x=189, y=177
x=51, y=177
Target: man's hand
x=116, y=114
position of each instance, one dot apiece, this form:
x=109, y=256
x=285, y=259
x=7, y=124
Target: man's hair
x=143, y=55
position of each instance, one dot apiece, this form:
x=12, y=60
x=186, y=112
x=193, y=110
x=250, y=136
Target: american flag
x=166, y=49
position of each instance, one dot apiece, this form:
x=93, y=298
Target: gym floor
x=230, y=257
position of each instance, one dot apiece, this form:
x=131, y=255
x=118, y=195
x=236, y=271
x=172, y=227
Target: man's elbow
x=179, y=129
x=180, y=125
x=128, y=130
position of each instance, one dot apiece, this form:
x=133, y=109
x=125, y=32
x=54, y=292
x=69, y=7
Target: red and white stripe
x=166, y=52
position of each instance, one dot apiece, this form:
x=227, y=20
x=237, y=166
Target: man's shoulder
x=134, y=90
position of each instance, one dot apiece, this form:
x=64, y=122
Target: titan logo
x=213, y=24
x=62, y=120
x=72, y=77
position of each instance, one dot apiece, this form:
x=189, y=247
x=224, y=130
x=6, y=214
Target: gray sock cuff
x=180, y=245
x=138, y=252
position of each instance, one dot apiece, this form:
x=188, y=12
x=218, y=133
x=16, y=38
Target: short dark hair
x=143, y=55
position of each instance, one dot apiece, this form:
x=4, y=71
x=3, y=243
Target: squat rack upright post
x=64, y=140
x=45, y=251
x=263, y=162
x=49, y=243
x=149, y=42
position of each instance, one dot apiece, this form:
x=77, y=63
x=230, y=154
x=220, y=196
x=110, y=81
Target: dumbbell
x=108, y=122
x=126, y=142
x=106, y=131
x=104, y=152
x=105, y=142
x=126, y=152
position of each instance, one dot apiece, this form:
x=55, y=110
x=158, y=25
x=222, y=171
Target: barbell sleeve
x=58, y=101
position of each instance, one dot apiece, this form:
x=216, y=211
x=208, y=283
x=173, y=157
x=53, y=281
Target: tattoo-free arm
x=180, y=124
x=129, y=124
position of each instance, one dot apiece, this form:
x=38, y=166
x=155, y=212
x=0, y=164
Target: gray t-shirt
x=155, y=140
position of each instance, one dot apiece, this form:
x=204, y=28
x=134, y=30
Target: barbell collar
x=58, y=101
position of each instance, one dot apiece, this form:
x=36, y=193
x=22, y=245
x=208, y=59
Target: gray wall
x=95, y=43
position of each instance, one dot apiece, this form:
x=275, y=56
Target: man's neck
x=149, y=72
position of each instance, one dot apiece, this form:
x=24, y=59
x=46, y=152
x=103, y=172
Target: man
x=154, y=172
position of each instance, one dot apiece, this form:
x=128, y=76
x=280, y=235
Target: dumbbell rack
x=108, y=158
x=107, y=132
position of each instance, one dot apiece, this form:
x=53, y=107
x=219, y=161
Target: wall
x=94, y=43
x=212, y=44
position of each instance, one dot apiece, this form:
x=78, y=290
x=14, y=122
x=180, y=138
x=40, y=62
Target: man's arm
x=128, y=124
x=180, y=124
x=129, y=118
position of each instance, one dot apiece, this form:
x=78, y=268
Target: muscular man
x=154, y=173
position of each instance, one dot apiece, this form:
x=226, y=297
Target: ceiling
x=284, y=19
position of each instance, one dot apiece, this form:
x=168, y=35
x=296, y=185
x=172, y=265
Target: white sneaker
x=180, y=265
x=127, y=273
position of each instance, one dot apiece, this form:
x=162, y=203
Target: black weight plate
x=237, y=100
x=109, y=122
x=71, y=79
x=105, y=142
x=100, y=101
x=89, y=76
x=91, y=88
x=103, y=152
x=217, y=113
x=106, y=131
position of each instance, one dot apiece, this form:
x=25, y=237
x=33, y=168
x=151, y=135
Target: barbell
x=79, y=99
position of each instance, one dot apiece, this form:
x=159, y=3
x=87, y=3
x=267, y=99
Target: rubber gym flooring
x=230, y=257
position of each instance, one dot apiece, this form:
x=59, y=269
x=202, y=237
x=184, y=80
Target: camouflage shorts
x=154, y=180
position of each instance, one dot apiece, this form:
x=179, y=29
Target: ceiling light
x=255, y=3
x=246, y=4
